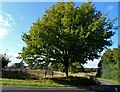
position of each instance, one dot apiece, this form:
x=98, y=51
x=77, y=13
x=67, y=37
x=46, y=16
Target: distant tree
x=109, y=64
x=18, y=65
x=4, y=59
x=76, y=67
x=56, y=66
x=67, y=34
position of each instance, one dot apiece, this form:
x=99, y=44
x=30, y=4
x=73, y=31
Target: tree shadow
x=86, y=83
x=74, y=81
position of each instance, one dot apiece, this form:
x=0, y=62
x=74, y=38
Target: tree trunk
x=66, y=70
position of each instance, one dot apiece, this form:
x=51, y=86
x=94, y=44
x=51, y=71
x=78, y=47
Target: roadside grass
x=37, y=83
x=110, y=80
x=50, y=82
x=38, y=79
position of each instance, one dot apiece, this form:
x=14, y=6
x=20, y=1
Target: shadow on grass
x=74, y=81
x=86, y=83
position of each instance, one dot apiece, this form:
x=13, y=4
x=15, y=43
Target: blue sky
x=17, y=18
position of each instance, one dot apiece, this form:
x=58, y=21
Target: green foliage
x=109, y=64
x=67, y=34
x=56, y=67
x=4, y=59
x=75, y=67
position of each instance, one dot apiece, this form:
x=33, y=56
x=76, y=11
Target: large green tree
x=66, y=34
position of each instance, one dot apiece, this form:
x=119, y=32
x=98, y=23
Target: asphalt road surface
x=105, y=83
x=42, y=89
x=104, y=87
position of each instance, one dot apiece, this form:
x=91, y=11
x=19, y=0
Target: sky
x=16, y=18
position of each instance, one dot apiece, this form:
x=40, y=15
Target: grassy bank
x=37, y=78
x=37, y=83
x=50, y=82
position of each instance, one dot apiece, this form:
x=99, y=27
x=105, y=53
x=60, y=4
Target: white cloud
x=3, y=32
x=6, y=24
x=92, y=64
x=110, y=7
x=13, y=58
x=1, y=18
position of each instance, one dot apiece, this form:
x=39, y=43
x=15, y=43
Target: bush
x=109, y=64
x=16, y=74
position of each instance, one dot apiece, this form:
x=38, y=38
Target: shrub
x=17, y=74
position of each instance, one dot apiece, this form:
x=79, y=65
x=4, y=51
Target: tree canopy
x=67, y=33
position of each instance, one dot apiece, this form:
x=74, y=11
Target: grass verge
x=37, y=83
x=50, y=82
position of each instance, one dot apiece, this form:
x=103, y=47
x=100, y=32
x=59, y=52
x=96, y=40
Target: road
x=103, y=87
x=42, y=89
x=105, y=83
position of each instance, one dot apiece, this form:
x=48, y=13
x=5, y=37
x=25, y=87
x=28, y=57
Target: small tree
x=4, y=60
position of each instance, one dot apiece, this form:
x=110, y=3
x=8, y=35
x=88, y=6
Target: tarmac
x=103, y=87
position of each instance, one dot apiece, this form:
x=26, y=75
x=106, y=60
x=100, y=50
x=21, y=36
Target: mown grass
x=38, y=79
x=37, y=83
x=50, y=82
x=110, y=80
